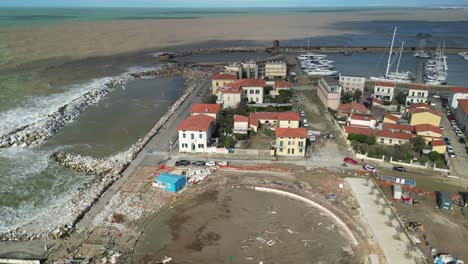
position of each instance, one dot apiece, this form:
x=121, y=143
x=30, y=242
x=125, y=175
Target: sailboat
x=421, y=53
x=400, y=77
x=436, y=68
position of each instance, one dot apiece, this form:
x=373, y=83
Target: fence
x=361, y=156
x=409, y=164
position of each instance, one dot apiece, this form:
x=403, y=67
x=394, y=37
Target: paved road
x=394, y=250
x=159, y=143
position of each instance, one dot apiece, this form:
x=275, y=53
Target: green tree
x=267, y=89
x=347, y=98
x=211, y=99
x=400, y=98
x=357, y=95
x=418, y=143
x=283, y=97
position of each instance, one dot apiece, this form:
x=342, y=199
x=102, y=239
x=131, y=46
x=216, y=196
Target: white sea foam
x=36, y=108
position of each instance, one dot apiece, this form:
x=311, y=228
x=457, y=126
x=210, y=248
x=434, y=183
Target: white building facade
x=352, y=83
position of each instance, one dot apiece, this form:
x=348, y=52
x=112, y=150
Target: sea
x=33, y=188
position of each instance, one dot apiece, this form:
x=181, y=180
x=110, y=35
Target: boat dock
x=343, y=49
x=420, y=71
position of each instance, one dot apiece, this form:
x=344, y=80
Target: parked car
x=366, y=104
x=449, y=148
x=459, y=134
x=451, y=154
x=436, y=96
x=441, y=127
x=182, y=163
x=199, y=163
x=223, y=163
x=447, y=140
x=399, y=168
x=210, y=163
x=369, y=168
x=350, y=161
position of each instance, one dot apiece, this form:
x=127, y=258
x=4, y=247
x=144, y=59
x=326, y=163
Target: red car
x=350, y=161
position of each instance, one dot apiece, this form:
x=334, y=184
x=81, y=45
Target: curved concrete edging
x=314, y=204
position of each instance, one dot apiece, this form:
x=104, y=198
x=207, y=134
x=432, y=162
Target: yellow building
x=421, y=116
x=220, y=80
x=390, y=119
x=273, y=120
x=438, y=146
x=291, y=142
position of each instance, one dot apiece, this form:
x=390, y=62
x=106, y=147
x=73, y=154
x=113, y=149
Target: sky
x=228, y=3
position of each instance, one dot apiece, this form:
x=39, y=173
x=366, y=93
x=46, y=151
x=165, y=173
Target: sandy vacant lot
x=78, y=40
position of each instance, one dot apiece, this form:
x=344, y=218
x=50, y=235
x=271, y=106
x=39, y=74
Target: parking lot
x=458, y=163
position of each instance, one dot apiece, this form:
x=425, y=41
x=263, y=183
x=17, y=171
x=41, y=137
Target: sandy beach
x=69, y=41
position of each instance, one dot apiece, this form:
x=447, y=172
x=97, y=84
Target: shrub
x=362, y=138
x=270, y=133
x=240, y=136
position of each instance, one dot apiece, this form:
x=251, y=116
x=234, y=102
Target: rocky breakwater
x=37, y=132
x=202, y=51
x=107, y=170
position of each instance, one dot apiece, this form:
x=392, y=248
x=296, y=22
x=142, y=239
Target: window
x=382, y=140
x=300, y=150
x=251, y=91
x=192, y=136
x=390, y=141
x=281, y=150
x=217, y=84
x=412, y=94
x=388, y=90
x=245, y=92
x=184, y=135
x=200, y=146
x=289, y=143
x=292, y=151
x=289, y=151
x=256, y=99
x=257, y=91
x=378, y=89
x=301, y=144
x=281, y=143
x=200, y=135
x=229, y=98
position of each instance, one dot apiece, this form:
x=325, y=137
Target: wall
x=453, y=99
x=390, y=141
x=229, y=99
x=462, y=120
x=216, y=84
x=200, y=140
x=408, y=164
x=296, y=147
x=416, y=96
x=331, y=100
x=351, y=84
x=289, y=124
x=384, y=92
x=253, y=94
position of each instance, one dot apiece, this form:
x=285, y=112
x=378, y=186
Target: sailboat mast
x=399, y=59
x=390, y=53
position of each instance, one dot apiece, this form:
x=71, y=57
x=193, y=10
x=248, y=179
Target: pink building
x=329, y=92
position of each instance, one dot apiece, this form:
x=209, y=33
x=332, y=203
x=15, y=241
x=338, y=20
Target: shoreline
x=110, y=170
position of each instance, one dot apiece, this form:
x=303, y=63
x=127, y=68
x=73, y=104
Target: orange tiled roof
x=427, y=127
x=395, y=135
x=398, y=127
x=353, y=107
x=224, y=76
x=205, y=108
x=291, y=132
x=386, y=84
x=359, y=130
x=196, y=123
x=241, y=118
x=391, y=117
x=363, y=117
x=378, y=101
x=463, y=103
x=420, y=105
x=282, y=84
x=458, y=89
x=437, y=143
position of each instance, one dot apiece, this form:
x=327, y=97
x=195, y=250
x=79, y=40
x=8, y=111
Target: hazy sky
x=229, y=3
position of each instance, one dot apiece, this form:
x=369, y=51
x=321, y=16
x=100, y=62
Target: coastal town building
x=362, y=120
x=352, y=83
x=279, y=85
x=276, y=69
x=384, y=90
x=329, y=92
x=438, y=146
x=244, y=90
x=461, y=115
x=360, y=131
x=350, y=108
x=250, y=69
x=220, y=80
x=421, y=116
x=389, y=137
x=455, y=94
x=398, y=128
x=273, y=120
x=195, y=133
x=234, y=68
x=241, y=124
x=206, y=109
x=417, y=93
x=170, y=182
x=391, y=118
x=428, y=132
x=291, y=142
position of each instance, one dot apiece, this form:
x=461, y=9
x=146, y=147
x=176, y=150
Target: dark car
x=366, y=104
x=199, y=163
x=399, y=168
x=182, y=163
x=447, y=141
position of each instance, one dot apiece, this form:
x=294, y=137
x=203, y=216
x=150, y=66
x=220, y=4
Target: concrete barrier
x=340, y=222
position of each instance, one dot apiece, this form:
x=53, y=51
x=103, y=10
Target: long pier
x=347, y=49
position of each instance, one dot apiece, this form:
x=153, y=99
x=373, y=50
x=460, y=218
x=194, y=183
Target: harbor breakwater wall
x=35, y=133
x=106, y=171
x=207, y=51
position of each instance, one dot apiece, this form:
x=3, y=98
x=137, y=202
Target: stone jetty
x=41, y=130
x=106, y=171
